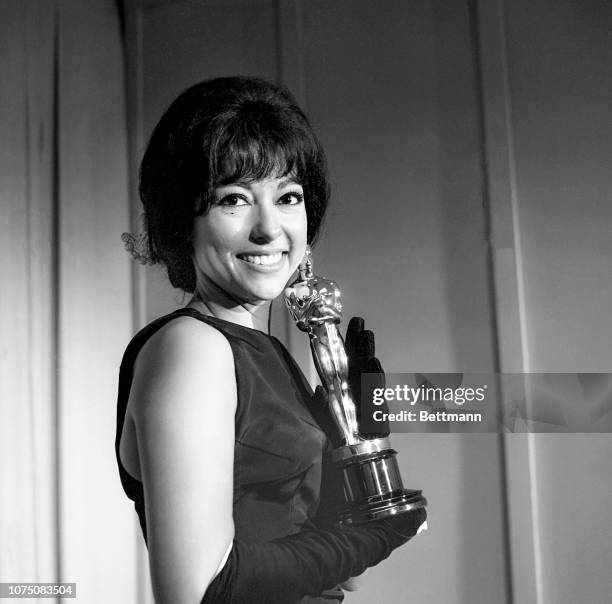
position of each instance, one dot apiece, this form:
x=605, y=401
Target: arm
x=183, y=401
x=307, y=562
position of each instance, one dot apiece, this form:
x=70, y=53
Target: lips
x=269, y=260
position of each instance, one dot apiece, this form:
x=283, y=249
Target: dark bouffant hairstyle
x=217, y=132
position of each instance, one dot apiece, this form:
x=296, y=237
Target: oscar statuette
x=372, y=483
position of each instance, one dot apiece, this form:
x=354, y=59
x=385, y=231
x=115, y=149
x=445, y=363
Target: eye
x=232, y=200
x=292, y=198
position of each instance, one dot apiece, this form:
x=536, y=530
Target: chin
x=263, y=292
x=265, y=295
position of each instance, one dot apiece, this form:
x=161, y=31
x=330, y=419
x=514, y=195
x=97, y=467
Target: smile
x=268, y=260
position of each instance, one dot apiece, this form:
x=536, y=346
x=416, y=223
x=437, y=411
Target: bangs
x=250, y=160
x=261, y=145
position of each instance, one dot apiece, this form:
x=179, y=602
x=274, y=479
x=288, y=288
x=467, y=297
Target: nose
x=267, y=226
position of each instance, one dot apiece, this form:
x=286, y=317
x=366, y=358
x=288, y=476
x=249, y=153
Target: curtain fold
x=66, y=297
x=28, y=502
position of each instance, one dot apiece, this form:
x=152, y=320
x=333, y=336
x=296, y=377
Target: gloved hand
x=361, y=352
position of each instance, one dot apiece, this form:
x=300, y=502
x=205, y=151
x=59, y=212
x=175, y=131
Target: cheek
x=210, y=247
x=212, y=234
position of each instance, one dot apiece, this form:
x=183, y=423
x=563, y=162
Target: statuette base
x=372, y=483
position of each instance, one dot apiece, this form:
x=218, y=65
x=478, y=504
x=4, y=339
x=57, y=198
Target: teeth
x=263, y=259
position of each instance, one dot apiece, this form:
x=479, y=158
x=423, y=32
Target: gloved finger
x=355, y=327
x=366, y=347
x=369, y=366
x=368, y=427
x=373, y=366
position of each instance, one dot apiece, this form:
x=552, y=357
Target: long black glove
x=307, y=563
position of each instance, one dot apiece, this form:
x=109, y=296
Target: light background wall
x=469, y=145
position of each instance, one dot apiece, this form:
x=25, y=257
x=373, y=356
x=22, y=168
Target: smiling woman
x=217, y=442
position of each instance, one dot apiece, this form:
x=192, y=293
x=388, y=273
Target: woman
x=216, y=441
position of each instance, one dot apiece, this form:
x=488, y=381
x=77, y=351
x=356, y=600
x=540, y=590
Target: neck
x=214, y=302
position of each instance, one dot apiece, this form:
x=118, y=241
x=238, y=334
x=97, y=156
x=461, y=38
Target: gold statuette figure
x=372, y=482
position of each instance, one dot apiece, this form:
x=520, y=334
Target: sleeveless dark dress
x=278, y=448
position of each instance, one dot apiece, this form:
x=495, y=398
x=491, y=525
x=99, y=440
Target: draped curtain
x=65, y=298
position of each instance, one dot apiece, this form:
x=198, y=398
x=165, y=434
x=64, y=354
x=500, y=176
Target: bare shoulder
x=184, y=357
x=184, y=336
